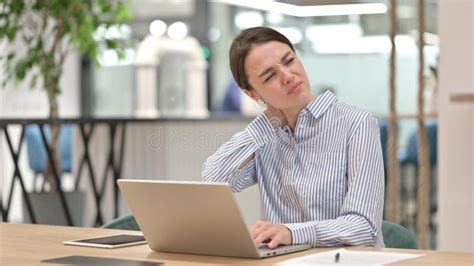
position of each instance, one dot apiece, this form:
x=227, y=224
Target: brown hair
x=242, y=45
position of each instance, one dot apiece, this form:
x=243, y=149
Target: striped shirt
x=324, y=182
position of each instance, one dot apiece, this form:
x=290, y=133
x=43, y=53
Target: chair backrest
x=126, y=222
x=397, y=236
x=37, y=152
x=412, y=147
x=383, y=125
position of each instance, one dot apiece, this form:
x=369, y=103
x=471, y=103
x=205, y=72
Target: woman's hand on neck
x=276, y=116
x=279, y=118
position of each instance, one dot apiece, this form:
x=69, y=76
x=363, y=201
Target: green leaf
x=77, y=19
x=11, y=34
x=67, y=26
x=120, y=54
x=17, y=7
x=36, y=6
x=3, y=32
x=20, y=70
x=105, y=6
x=123, y=13
x=111, y=44
x=10, y=56
x=33, y=58
x=34, y=80
x=94, y=56
x=39, y=45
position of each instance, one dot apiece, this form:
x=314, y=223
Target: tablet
x=114, y=241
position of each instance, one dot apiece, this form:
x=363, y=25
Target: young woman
x=317, y=161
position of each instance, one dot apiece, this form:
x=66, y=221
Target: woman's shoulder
x=353, y=116
x=352, y=112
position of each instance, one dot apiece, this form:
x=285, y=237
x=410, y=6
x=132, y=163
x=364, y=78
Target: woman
x=317, y=161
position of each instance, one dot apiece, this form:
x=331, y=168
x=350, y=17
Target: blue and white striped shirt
x=325, y=182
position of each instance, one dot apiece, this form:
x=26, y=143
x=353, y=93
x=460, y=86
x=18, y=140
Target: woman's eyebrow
x=266, y=71
x=285, y=56
x=269, y=69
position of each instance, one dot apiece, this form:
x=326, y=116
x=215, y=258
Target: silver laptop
x=194, y=218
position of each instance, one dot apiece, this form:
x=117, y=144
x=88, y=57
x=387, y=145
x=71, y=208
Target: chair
x=126, y=222
x=410, y=155
x=37, y=153
x=397, y=236
x=383, y=125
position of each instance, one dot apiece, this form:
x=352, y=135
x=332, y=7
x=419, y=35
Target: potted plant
x=51, y=30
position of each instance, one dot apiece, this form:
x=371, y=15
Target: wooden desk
x=28, y=244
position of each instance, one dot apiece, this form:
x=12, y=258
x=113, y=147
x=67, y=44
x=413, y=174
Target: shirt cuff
x=261, y=130
x=302, y=233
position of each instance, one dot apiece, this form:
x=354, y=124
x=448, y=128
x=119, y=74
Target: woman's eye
x=289, y=61
x=269, y=77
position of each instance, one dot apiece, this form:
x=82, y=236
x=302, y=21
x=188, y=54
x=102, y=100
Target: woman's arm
x=234, y=161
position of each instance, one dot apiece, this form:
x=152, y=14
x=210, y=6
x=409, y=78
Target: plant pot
x=47, y=208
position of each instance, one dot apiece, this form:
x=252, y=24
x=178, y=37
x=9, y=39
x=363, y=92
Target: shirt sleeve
x=360, y=219
x=225, y=165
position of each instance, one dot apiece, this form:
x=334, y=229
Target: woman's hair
x=242, y=45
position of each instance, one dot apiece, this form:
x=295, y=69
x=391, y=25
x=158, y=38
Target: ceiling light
x=309, y=11
x=293, y=34
x=274, y=18
x=157, y=27
x=178, y=31
x=247, y=19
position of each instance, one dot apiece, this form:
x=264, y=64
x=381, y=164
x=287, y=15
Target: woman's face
x=277, y=76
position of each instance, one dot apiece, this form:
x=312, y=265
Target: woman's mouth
x=295, y=88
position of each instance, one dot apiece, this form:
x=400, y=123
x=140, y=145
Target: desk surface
x=28, y=244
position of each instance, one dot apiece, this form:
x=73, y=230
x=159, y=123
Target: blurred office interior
x=176, y=70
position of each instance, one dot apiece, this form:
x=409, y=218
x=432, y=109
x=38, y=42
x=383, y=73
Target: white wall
x=22, y=101
x=456, y=132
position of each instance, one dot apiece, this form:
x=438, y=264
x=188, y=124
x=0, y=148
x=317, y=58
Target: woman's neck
x=292, y=114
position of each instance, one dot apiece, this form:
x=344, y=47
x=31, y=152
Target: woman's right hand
x=276, y=116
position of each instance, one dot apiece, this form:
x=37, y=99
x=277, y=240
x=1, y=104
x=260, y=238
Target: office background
x=348, y=54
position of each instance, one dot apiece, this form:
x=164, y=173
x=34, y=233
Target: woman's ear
x=252, y=94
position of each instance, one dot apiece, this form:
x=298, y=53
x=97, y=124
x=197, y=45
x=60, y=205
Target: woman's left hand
x=275, y=234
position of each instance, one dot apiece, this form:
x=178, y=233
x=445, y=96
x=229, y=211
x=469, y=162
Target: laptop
x=194, y=218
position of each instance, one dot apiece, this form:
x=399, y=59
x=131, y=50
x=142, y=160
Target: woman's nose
x=286, y=75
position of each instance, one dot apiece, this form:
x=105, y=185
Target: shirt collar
x=320, y=105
